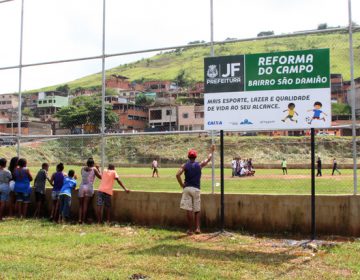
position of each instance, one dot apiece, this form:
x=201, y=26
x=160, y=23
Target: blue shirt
x=192, y=174
x=317, y=113
x=22, y=181
x=68, y=186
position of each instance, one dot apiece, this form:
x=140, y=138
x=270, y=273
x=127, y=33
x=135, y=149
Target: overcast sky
x=64, y=29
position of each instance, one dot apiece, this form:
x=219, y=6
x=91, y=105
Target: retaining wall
x=338, y=214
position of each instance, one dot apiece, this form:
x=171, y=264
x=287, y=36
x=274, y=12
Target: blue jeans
x=65, y=206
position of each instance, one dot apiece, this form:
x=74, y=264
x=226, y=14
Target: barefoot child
x=106, y=191
x=65, y=196
x=22, y=177
x=39, y=185
x=57, y=181
x=86, y=190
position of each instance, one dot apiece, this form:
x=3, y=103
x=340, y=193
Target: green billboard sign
x=287, y=70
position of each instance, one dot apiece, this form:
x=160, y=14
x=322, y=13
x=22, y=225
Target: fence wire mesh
x=162, y=91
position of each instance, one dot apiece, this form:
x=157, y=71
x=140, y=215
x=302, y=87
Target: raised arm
x=97, y=172
x=206, y=161
x=178, y=176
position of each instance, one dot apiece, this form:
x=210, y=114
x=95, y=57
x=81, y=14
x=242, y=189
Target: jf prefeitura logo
x=224, y=73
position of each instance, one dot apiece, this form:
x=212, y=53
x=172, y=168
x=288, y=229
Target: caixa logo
x=214, y=123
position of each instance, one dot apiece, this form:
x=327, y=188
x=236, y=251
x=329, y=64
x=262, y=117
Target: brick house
x=131, y=117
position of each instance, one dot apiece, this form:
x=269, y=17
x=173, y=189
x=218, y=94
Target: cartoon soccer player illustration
x=291, y=112
x=317, y=112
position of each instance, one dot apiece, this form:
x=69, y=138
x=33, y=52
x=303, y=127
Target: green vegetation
x=37, y=249
x=188, y=63
x=340, y=109
x=86, y=110
x=265, y=181
x=171, y=150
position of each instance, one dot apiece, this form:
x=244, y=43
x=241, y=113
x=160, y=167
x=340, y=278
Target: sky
x=66, y=29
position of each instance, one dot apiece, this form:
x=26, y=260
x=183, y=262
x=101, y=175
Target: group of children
x=15, y=188
x=241, y=167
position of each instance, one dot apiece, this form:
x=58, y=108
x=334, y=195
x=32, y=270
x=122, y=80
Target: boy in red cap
x=190, y=200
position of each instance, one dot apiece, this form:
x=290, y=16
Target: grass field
x=36, y=249
x=265, y=181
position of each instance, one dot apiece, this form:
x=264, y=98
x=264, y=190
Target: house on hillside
x=190, y=117
x=163, y=118
x=197, y=91
x=131, y=117
x=118, y=82
x=338, y=91
x=160, y=86
x=49, y=102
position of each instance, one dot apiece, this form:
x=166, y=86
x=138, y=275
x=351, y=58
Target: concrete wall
x=258, y=213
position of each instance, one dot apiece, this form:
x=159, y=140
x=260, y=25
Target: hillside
x=167, y=65
x=172, y=149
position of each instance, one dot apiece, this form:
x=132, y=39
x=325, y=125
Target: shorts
x=55, y=195
x=86, y=191
x=12, y=185
x=65, y=206
x=190, y=199
x=103, y=199
x=39, y=197
x=4, y=192
x=22, y=197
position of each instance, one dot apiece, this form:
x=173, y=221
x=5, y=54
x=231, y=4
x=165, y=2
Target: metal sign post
x=222, y=205
x=313, y=227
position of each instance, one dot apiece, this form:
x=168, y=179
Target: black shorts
x=39, y=197
x=103, y=199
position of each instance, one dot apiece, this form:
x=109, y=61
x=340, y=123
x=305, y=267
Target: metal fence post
x=353, y=99
x=103, y=88
x=212, y=54
x=20, y=79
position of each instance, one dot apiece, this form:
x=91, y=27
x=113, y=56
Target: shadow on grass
x=250, y=256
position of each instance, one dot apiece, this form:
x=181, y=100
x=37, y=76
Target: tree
x=181, y=79
x=64, y=88
x=143, y=100
x=322, y=26
x=340, y=109
x=86, y=110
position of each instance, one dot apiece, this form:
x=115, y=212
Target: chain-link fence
x=151, y=105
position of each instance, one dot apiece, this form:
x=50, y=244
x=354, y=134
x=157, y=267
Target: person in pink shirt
x=106, y=191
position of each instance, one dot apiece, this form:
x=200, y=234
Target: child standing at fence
x=12, y=199
x=106, y=191
x=22, y=177
x=39, y=185
x=65, y=196
x=57, y=181
x=86, y=190
x=5, y=177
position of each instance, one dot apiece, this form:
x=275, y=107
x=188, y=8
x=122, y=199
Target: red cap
x=192, y=154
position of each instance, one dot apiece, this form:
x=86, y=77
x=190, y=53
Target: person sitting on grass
x=5, y=177
x=39, y=185
x=65, y=196
x=57, y=181
x=190, y=200
x=106, y=191
x=22, y=188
